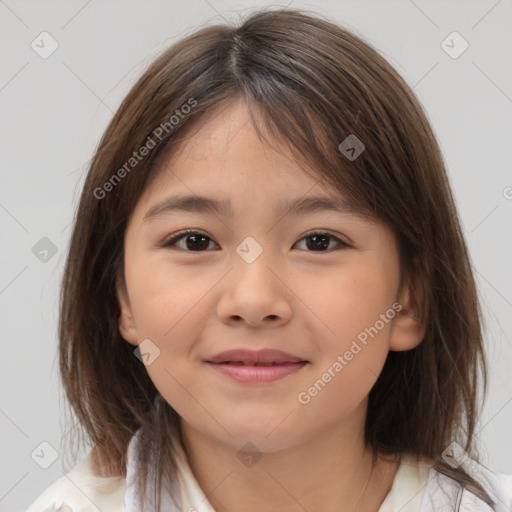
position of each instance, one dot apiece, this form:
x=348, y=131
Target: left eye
x=321, y=240
x=197, y=242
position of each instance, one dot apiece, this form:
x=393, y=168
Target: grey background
x=54, y=110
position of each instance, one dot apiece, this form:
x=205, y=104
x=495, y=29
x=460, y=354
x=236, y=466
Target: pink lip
x=265, y=355
x=254, y=374
x=252, y=367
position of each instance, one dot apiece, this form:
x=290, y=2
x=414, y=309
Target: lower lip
x=256, y=374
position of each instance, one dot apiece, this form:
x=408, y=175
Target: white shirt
x=417, y=487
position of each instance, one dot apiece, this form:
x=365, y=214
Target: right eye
x=194, y=241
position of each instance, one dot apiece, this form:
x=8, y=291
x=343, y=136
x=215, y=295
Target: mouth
x=245, y=363
x=257, y=373
x=251, y=357
x=254, y=367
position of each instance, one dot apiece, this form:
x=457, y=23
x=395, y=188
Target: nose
x=255, y=293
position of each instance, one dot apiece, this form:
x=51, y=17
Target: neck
x=331, y=471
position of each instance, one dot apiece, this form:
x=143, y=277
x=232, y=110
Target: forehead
x=222, y=167
x=224, y=155
x=227, y=138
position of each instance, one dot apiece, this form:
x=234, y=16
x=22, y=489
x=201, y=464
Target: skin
x=307, y=302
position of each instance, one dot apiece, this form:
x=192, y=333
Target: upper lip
x=252, y=356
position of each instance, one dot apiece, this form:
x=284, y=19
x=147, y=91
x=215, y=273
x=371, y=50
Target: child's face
x=310, y=301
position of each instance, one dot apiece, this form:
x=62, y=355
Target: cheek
x=352, y=336
x=167, y=301
x=348, y=301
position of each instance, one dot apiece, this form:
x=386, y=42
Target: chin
x=268, y=434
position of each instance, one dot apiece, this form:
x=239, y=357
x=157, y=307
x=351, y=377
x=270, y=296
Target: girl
x=268, y=302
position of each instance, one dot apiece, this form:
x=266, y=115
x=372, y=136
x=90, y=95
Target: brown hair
x=313, y=83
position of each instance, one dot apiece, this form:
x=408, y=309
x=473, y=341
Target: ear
x=126, y=323
x=409, y=324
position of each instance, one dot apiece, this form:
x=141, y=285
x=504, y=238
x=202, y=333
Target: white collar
x=417, y=487
x=192, y=496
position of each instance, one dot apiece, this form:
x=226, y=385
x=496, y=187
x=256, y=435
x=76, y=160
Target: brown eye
x=319, y=241
x=194, y=241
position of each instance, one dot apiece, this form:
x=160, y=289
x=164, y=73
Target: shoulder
x=80, y=490
x=442, y=491
x=419, y=487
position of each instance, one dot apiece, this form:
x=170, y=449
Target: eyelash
x=181, y=234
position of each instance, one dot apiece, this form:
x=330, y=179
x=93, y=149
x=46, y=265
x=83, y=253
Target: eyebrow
x=206, y=205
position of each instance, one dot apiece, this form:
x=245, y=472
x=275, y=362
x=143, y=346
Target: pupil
x=195, y=237
x=317, y=243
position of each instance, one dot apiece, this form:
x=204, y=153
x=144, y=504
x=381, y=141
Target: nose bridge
x=253, y=260
x=249, y=249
